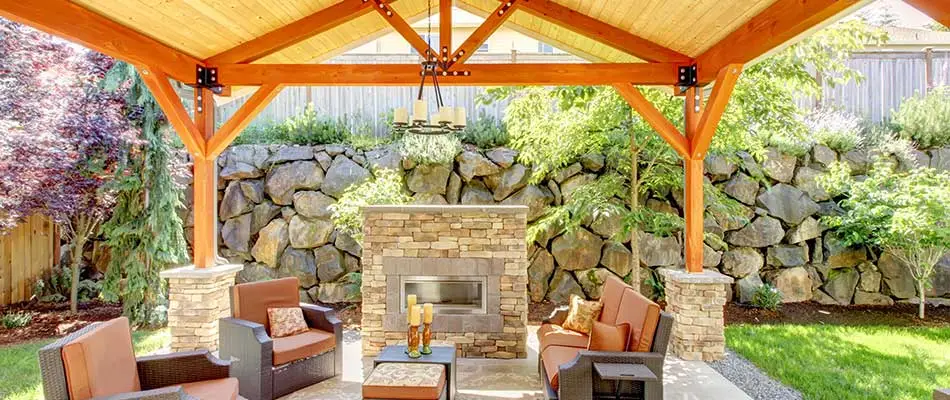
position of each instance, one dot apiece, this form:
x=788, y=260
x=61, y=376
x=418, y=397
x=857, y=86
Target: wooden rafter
x=405, y=30
x=936, y=9
x=481, y=74
x=244, y=115
x=481, y=34
x=601, y=31
x=718, y=100
x=73, y=22
x=178, y=117
x=774, y=26
x=654, y=118
x=297, y=31
x=445, y=29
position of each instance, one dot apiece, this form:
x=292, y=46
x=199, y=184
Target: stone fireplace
x=470, y=262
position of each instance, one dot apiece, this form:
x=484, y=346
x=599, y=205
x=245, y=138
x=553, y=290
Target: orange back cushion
x=101, y=362
x=613, y=292
x=643, y=316
x=250, y=301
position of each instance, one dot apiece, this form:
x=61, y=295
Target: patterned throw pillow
x=582, y=314
x=286, y=321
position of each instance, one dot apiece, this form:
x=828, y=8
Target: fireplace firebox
x=448, y=294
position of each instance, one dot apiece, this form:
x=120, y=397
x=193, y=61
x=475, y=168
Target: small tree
x=60, y=137
x=906, y=214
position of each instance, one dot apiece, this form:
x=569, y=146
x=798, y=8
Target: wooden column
x=205, y=186
x=693, y=187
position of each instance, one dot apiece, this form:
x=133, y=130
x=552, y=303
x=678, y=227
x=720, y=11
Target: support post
x=693, y=193
x=205, y=186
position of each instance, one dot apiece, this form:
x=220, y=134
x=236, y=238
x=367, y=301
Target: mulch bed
x=54, y=319
x=814, y=313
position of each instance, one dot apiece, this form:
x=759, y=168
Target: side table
x=618, y=373
x=444, y=355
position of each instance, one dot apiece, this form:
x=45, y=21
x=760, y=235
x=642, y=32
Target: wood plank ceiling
x=203, y=28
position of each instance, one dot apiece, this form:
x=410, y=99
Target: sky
x=906, y=15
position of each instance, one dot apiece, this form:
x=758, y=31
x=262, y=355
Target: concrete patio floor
x=484, y=379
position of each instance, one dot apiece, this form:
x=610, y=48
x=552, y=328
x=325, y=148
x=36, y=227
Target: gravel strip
x=751, y=380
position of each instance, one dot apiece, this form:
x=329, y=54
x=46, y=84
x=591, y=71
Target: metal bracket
x=688, y=76
x=207, y=78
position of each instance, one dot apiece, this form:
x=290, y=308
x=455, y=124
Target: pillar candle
x=419, y=110
x=446, y=114
x=410, y=302
x=459, y=116
x=427, y=313
x=401, y=115
x=414, y=316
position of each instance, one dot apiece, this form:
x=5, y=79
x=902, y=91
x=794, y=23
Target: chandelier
x=446, y=120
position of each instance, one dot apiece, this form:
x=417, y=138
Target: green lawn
x=848, y=362
x=20, y=370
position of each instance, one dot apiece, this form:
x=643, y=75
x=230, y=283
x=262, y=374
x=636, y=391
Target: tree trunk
x=635, y=278
x=79, y=241
x=921, y=292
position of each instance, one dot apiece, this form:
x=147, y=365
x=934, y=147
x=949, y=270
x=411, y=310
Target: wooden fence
x=26, y=253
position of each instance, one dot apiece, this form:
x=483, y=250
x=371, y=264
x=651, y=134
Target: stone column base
x=696, y=301
x=197, y=298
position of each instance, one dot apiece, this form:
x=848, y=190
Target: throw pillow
x=286, y=321
x=582, y=314
x=607, y=337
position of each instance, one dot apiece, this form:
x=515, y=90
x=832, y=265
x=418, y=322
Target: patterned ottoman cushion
x=405, y=381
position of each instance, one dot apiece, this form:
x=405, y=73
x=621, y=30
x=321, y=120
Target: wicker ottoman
x=406, y=381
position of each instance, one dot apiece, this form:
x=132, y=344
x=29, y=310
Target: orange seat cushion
x=612, y=294
x=555, y=356
x=250, y=301
x=607, y=337
x=302, y=345
x=405, y=381
x=101, y=362
x=643, y=315
x=555, y=335
x=217, y=389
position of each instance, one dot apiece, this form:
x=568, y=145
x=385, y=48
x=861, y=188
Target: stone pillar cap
x=189, y=271
x=707, y=276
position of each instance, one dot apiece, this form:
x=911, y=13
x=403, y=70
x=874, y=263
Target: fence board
x=26, y=253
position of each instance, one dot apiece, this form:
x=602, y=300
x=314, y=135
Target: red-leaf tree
x=61, y=137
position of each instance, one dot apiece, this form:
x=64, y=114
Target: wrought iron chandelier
x=447, y=120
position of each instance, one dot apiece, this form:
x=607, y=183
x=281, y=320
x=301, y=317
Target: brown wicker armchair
x=98, y=361
x=566, y=366
x=272, y=367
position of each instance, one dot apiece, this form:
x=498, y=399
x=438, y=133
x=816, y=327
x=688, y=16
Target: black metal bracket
x=207, y=78
x=687, y=76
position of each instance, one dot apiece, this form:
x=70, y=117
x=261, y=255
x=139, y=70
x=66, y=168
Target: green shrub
x=17, y=319
x=926, y=119
x=767, y=297
x=306, y=128
x=485, y=132
x=837, y=130
x=55, y=285
x=386, y=188
x=430, y=149
x=657, y=288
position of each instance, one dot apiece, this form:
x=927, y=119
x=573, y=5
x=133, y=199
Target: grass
x=848, y=362
x=20, y=372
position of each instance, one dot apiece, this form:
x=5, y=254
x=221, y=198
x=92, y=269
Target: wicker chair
x=93, y=360
x=575, y=376
x=269, y=368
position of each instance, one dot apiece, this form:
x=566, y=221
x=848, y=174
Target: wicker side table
x=619, y=373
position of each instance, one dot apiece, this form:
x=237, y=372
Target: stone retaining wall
x=274, y=219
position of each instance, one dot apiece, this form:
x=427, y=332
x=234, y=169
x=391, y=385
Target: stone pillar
x=696, y=301
x=197, y=298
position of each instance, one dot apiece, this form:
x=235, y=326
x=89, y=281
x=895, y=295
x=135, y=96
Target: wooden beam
x=244, y=115
x=936, y=9
x=72, y=22
x=774, y=26
x=718, y=100
x=178, y=117
x=481, y=74
x=693, y=110
x=601, y=31
x=445, y=29
x=655, y=118
x=297, y=31
x=693, y=214
x=481, y=34
x=405, y=30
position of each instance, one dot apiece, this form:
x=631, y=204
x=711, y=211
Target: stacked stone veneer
x=696, y=301
x=197, y=298
x=450, y=240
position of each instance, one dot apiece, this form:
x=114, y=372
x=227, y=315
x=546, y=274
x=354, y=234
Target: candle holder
x=412, y=342
x=426, y=338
